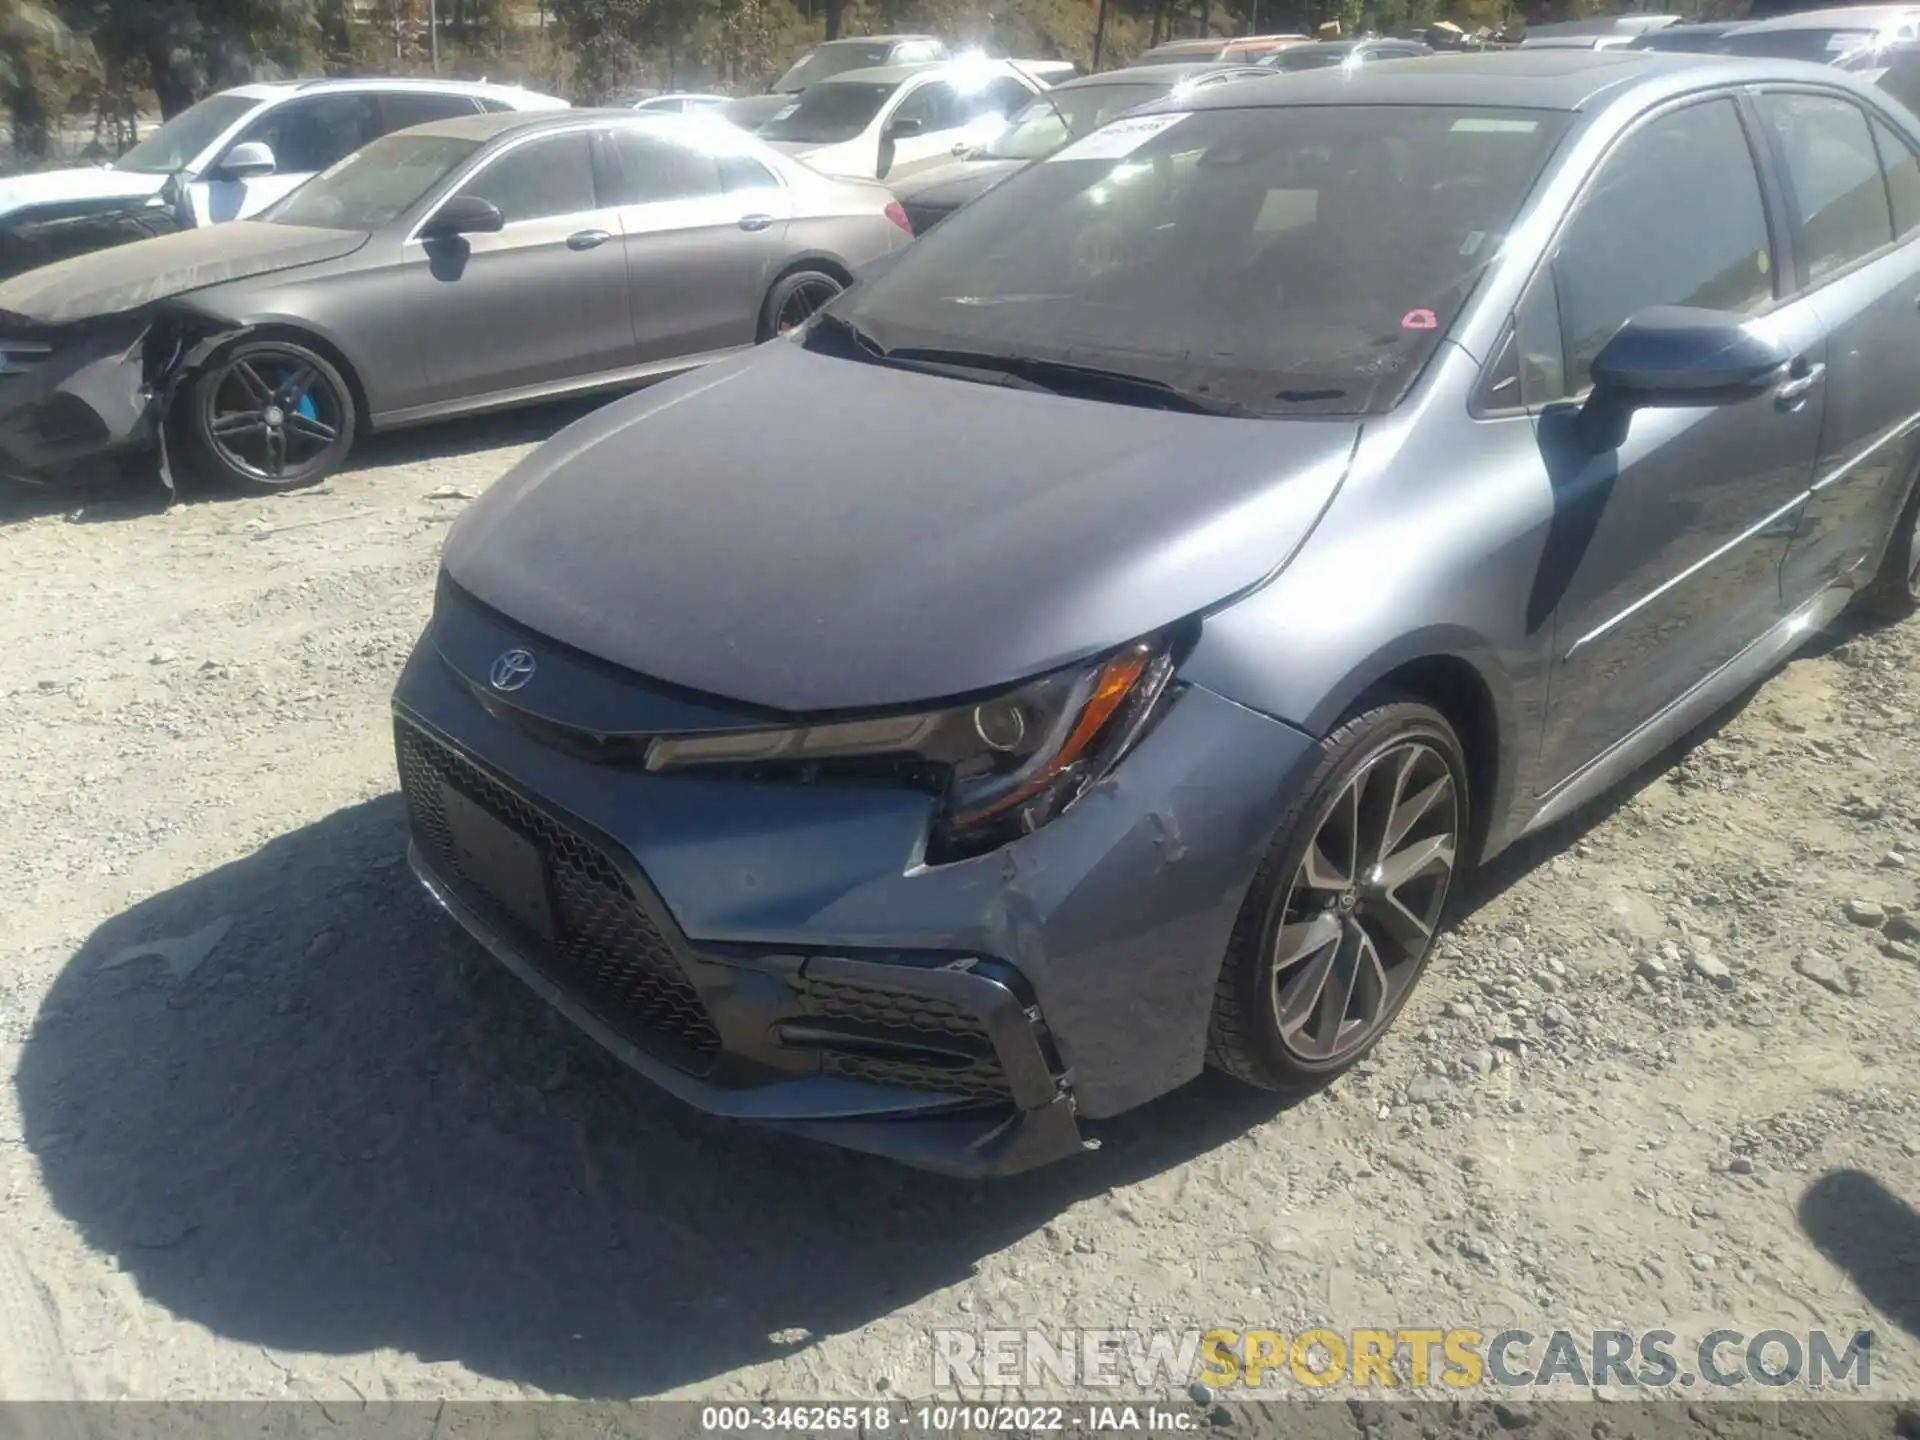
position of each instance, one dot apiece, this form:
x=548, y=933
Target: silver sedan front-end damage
x=97, y=391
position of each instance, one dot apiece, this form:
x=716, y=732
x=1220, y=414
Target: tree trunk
x=833, y=9
x=32, y=136
x=172, y=91
x=1153, y=30
x=1099, y=31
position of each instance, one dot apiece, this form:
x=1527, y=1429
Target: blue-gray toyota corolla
x=1099, y=643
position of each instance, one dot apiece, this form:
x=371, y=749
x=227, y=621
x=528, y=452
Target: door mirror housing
x=249, y=160
x=464, y=215
x=903, y=129
x=1677, y=356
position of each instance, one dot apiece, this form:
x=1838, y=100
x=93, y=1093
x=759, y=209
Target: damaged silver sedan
x=470, y=264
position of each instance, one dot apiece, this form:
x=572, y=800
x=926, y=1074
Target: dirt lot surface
x=314, y=1143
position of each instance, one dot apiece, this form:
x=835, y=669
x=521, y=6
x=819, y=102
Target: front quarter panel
x=355, y=305
x=1433, y=547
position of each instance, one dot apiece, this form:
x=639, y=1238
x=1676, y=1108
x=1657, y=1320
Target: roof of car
x=483, y=128
x=875, y=39
x=1843, y=17
x=278, y=89
x=894, y=74
x=1171, y=73
x=1542, y=79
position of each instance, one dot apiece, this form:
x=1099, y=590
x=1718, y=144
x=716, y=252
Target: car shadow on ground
x=130, y=489
x=348, y=1129
x=1873, y=1235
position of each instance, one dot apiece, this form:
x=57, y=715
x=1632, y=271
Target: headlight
x=1005, y=765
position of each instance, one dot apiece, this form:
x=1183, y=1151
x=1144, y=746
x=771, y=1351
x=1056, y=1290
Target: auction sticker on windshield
x=1122, y=137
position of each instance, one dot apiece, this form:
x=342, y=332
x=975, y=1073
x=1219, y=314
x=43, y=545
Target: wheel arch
x=1459, y=677
x=299, y=331
x=822, y=260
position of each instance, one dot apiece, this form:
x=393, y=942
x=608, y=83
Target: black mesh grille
x=607, y=952
x=934, y=1045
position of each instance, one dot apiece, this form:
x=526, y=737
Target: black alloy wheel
x=1340, y=920
x=271, y=415
x=794, y=299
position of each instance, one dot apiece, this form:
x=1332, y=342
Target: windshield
x=1039, y=129
x=1820, y=46
x=1282, y=261
x=827, y=114
x=183, y=139
x=816, y=65
x=375, y=185
x=1309, y=57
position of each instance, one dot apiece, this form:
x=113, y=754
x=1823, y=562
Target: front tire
x=1339, y=922
x=794, y=299
x=1895, y=591
x=266, y=416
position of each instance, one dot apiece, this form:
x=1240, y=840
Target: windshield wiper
x=925, y=362
x=1091, y=382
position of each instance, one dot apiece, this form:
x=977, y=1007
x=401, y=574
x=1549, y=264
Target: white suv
x=235, y=152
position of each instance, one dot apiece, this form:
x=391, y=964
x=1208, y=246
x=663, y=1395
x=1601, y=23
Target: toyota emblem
x=512, y=670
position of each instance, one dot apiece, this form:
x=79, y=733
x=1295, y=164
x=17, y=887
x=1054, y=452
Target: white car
x=682, y=103
x=240, y=150
x=890, y=121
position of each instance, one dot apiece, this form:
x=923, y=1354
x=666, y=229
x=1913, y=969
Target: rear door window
x=1902, y=168
x=1840, y=208
x=653, y=168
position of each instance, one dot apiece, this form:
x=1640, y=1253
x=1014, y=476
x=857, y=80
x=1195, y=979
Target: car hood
x=958, y=182
x=752, y=111
x=110, y=282
x=52, y=187
x=931, y=538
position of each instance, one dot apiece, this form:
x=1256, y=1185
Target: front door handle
x=588, y=239
x=755, y=222
x=1791, y=392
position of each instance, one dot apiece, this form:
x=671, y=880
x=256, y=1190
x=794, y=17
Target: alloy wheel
x=272, y=416
x=1913, y=558
x=1365, y=901
x=799, y=303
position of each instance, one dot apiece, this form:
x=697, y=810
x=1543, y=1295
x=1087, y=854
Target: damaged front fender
x=76, y=395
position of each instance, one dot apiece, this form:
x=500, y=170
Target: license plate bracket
x=502, y=862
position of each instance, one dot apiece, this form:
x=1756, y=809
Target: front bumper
x=72, y=395
x=775, y=953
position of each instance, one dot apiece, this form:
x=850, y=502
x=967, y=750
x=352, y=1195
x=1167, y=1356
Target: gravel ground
x=309, y=1142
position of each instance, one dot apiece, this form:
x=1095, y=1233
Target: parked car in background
x=1600, y=32
x=469, y=264
x=1823, y=36
x=835, y=57
x=1248, y=49
x=892, y=122
x=1701, y=37
x=226, y=158
x=1062, y=114
x=681, y=103
x=1233, y=576
x=1327, y=54
x=1894, y=69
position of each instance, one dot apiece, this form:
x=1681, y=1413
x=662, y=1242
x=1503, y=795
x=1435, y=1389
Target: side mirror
x=1674, y=356
x=249, y=160
x=464, y=215
x=903, y=129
